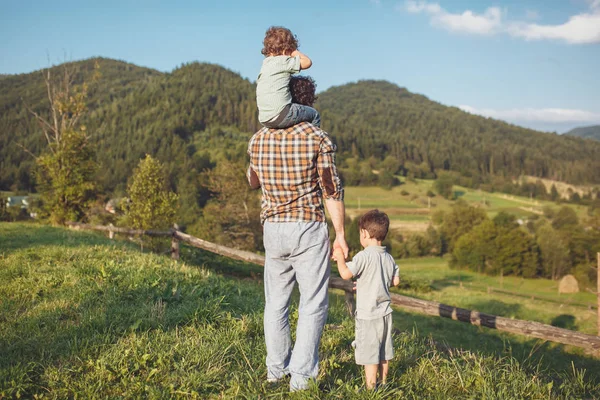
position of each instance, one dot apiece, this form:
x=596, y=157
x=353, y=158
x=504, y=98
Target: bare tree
x=66, y=167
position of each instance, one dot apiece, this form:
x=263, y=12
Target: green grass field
x=85, y=317
x=510, y=296
x=436, y=270
x=411, y=211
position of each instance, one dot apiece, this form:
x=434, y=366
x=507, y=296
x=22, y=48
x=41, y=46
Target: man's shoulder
x=259, y=133
x=305, y=128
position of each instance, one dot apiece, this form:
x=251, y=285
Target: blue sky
x=534, y=63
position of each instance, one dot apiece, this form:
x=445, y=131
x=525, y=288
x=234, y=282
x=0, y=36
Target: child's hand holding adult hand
x=338, y=253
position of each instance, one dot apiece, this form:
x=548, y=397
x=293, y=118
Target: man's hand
x=340, y=243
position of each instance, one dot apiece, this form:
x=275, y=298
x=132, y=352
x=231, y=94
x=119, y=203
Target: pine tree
x=151, y=204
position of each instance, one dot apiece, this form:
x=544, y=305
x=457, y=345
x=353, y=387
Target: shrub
x=443, y=185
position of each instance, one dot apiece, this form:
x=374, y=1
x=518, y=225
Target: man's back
x=296, y=168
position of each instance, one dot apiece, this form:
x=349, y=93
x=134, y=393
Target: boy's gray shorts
x=374, y=340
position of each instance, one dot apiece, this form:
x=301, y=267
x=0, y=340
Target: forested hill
x=379, y=118
x=187, y=116
x=133, y=111
x=586, y=132
x=117, y=80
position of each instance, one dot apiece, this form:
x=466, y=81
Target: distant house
x=17, y=201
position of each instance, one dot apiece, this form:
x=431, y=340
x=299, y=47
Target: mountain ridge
x=186, y=114
x=586, y=132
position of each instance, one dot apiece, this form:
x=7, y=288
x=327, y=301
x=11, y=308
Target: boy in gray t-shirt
x=375, y=271
x=273, y=97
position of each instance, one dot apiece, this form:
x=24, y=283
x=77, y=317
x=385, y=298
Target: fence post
x=350, y=305
x=174, y=243
x=111, y=233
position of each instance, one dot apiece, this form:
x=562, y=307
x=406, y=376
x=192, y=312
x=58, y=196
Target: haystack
x=568, y=284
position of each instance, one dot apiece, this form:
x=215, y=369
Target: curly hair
x=279, y=41
x=303, y=90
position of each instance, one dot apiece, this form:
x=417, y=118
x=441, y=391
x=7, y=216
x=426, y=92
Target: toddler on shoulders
x=273, y=97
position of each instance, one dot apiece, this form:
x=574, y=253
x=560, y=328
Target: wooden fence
x=520, y=327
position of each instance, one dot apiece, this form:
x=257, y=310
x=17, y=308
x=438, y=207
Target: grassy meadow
x=85, y=317
x=410, y=209
x=435, y=271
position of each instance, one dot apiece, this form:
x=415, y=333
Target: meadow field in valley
x=410, y=208
x=86, y=317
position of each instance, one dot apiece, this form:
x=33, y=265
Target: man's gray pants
x=295, y=252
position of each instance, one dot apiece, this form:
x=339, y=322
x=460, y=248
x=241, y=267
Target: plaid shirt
x=295, y=168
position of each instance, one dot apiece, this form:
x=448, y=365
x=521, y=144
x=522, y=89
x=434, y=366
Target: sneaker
x=275, y=380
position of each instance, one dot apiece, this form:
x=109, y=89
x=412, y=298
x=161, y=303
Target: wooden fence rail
x=521, y=327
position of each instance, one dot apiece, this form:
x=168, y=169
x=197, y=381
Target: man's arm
x=337, y=212
x=333, y=192
x=253, y=178
x=305, y=62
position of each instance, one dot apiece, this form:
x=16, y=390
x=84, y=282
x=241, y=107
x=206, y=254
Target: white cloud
x=579, y=29
x=468, y=21
x=554, y=115
x=376, y=2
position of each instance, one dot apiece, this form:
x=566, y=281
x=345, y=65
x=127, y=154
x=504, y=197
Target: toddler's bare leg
x=383, y=371
x=371, y=375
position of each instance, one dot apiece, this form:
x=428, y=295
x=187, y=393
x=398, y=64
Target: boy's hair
x=376, y=223
x=303, y=90
x=279, y=41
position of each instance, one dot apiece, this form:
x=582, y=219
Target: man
x=296, y=169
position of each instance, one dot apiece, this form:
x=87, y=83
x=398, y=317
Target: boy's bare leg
x=371, y=375
x=383, y=371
